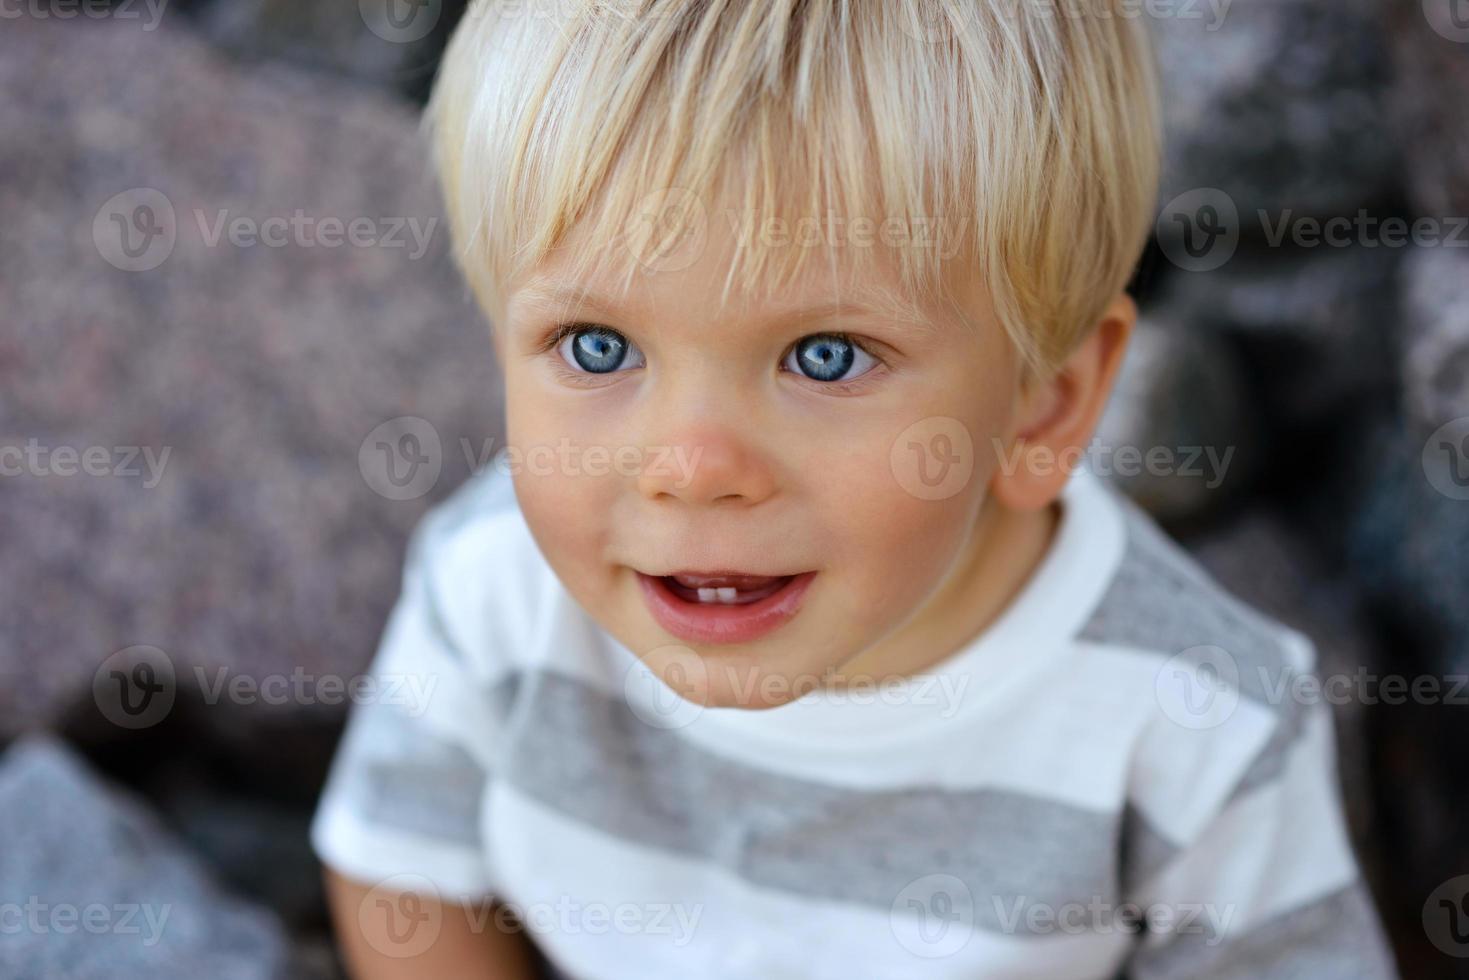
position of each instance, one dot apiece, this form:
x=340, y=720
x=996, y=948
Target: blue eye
x=828, y=357
x=598, y=350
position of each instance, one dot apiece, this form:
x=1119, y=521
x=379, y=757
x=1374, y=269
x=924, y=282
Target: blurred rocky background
x=1303, y=365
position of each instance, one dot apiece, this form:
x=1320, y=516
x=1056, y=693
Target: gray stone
x=1431, y=114
x=1435, y=332
x=1315, y=325
x=395, y=43
x=106, y=892
x=1179, y=394
x=267, y=547
x=1281, y=104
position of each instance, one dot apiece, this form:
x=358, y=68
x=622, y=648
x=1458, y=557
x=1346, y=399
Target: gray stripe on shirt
x=587, y=755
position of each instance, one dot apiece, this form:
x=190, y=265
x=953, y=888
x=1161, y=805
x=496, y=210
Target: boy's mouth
x=723, y=606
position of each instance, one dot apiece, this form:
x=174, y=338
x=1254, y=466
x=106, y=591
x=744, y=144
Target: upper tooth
x=721, y=594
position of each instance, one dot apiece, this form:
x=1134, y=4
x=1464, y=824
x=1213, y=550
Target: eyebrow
x=545, y=294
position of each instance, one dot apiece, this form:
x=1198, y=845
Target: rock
x=1179, y=395
x=1392, y=526
x=106, y=892
x=1430, y=113
x=1406, y=534
x=1435, y=362
x=394, y=43
x=256, y=539
x=1278, y=103
x=1314, y=326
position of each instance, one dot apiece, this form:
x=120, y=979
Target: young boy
x=785, y=639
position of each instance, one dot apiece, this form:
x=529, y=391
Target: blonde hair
x=1027, y=132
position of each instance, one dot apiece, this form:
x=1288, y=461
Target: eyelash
x=550, y=343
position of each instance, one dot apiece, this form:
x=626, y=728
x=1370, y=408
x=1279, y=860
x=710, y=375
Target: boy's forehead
x=828, y=285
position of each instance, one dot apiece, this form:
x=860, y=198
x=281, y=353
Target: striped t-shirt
x=1119, y=777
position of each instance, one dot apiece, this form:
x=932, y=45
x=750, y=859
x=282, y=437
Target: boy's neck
x=1003, y=552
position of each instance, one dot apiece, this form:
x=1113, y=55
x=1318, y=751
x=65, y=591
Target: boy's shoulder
x=1221, y=683
x=1160, y=600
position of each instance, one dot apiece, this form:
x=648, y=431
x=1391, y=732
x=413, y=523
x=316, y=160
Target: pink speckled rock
x=258, y=545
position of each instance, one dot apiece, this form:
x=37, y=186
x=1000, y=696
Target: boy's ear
x=1056, y=415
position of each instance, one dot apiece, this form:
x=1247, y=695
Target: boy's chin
x=752, y=684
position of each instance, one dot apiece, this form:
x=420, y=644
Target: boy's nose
x=706, y=465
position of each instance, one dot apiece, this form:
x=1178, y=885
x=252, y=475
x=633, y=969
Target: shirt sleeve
x=1269, y=889
x=405, y=790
